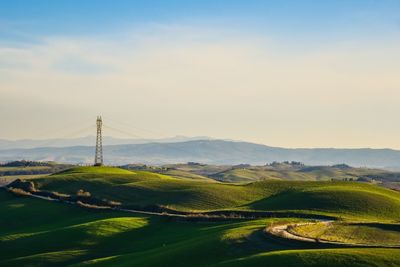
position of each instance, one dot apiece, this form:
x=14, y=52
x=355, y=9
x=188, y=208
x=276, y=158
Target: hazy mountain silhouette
x=87, y=141
x=209, y=151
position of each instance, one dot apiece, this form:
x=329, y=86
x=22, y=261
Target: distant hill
x=88, y=141
x=209, y=152
x=245, y=173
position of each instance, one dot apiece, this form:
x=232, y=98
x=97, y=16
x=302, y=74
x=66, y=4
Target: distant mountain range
x=209, y=152
x=88, y=141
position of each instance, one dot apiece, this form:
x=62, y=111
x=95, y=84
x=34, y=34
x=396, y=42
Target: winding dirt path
x=209, y=216
x=163, y=214
x=281, y=231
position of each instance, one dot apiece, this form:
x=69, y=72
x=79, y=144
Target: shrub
x=91, y=206
x=27, y=186
x=112, y=202
x=83, y=193
x=60, y=195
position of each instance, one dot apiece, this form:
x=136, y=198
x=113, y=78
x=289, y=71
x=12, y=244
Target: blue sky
x=22, y=19
x=296, y=73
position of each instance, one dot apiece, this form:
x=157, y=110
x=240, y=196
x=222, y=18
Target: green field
x=40, y=233
x=4, y=180
x=287, y=171
x=138, y=188
x=43, y=233
x=356, y=233
x=282, y=171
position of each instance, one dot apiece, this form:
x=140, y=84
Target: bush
x=83, y=193
x=60, y=195
x=91, y=206
x=112, y=202
x=27, y=186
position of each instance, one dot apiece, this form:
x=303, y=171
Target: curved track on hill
x=281, y=231
x=208, y=215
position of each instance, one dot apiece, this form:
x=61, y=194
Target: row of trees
x=26, y=163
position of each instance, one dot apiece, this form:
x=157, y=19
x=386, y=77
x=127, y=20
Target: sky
x=290, y=73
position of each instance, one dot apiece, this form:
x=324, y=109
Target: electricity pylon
x=98, y=159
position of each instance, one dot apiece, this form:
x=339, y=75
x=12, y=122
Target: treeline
x=26, y=163
x=24, y=167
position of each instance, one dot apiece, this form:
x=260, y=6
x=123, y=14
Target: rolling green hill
x=42, y=233
x=140, y=189
x=327, y=257
x=358, y=233
x=245, y=173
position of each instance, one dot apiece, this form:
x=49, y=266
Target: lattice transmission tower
x=98, y=159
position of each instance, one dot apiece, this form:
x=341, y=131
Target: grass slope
x=340, y=198
x=356, y=233
x=318, y=257
x=41, y=233
x=144, y=188
x=284, y=171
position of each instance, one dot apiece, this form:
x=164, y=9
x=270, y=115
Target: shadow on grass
x=382, y=226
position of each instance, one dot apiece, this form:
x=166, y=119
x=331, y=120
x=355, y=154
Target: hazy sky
x=282, y=73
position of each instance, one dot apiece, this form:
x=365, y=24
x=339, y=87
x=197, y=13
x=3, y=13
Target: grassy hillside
x=357, y=233
x=340, y=198
x=326, y=257
x=144, y=188
x=285, y=171
x=41, y=233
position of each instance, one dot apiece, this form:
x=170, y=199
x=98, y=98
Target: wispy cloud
x=213, y=81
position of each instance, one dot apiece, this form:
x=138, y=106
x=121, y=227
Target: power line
x=156, y=134
x=66, y=136
x=176, y=148
x=56, y=131
x=123, y=132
